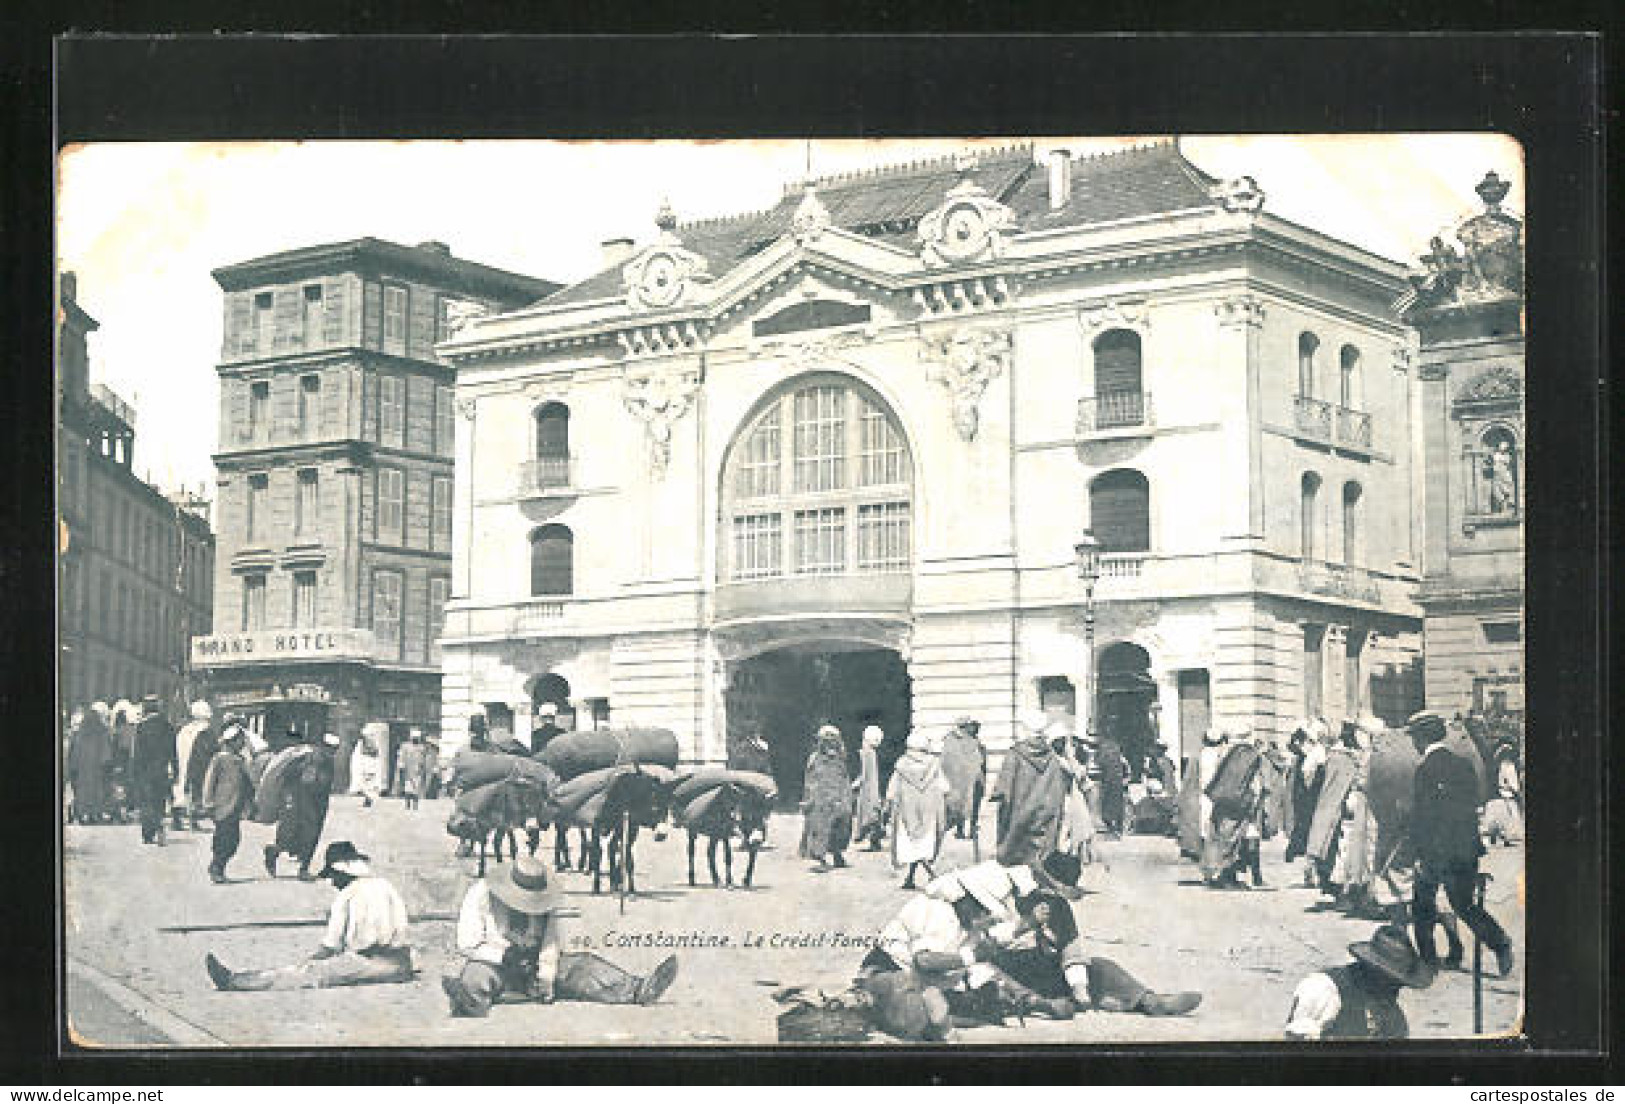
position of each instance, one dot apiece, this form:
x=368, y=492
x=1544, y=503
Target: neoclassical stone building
x=830, y=461
x=1467, y=307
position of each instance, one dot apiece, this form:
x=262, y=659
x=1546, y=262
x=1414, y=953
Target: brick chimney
x=1060, y=178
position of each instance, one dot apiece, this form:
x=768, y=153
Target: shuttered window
x=1117, y=362
x=386, y=611
x=1120, y=511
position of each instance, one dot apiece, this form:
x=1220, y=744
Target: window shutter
x=1119, y=509
x=1117, y=362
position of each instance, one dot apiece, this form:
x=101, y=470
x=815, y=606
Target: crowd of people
x=1381, y=820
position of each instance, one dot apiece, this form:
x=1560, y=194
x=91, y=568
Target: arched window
x=1309, y=517
x=819, y=482
x=552, y=445
x=1119, y=392
x=1120, y=511
x=1308, y=345
x=1351, y=523
x=552, y=561
x=1348, y=362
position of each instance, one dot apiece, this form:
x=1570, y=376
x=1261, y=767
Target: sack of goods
x=272, y=787
x=582, y=798
x=576, y=753
x=818, y=1017
x=1231, y=788
x=472, y=769
x=693, y=797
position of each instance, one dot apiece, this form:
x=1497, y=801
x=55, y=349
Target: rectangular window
x=1313, y=671
x=313, y=315
x=440, y=514
x=310, y=404
x=391, y=506
x=259, y=409
x=820, y=439
x=391, y=410
x=881, y=458
x=304, y=599
x=258, y=486
x=439, y=594
x=758, y=548
x=253, y=603
x=445, y=422
x=883, y=536
x=386, y=611
x=821, y=541
x=759, y=467
x=263, y=316
x=442, y=319
x=306, y=516
x=395, y=308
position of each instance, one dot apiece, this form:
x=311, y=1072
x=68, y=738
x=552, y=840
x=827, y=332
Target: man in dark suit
x=1444, y=833
x=153, y=766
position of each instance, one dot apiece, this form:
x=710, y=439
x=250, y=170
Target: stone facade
x=335, y=481
x=1467, y=307
x=831, y=460
x=136, y=567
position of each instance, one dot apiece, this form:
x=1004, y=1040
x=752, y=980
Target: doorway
x=1126, y=691
x=1195, y=715
x=787, y=693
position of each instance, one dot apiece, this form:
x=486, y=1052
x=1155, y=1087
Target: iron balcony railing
x=1338, y=580
x=547, y=473
x=1122, y=565
x=1111, y=410
x=1312, y=416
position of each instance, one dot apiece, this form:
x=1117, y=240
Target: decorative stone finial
x=811, y=217
x=664, y=218
x=1492, y=190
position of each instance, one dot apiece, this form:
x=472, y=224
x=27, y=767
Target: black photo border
x=1543, y=89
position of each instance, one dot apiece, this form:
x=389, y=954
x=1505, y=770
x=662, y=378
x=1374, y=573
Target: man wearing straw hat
x=365, y=942
x=509, y=931
x=1360, y=1000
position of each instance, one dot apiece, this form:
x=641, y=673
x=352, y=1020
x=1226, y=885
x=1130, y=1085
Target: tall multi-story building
x=830, y=461
x=334, y=494
x=1467, y=307
x=136, y=567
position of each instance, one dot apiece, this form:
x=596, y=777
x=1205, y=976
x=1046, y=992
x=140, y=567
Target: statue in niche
x=1501, y=477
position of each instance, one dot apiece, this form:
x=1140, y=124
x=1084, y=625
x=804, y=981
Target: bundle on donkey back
x=720, y=805
x=575, y=754
x=612, y=803
x=498, y=793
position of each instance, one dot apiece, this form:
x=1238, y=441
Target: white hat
x=330, y=740
x=201, y=711
x=918, y=741
x=988, y=883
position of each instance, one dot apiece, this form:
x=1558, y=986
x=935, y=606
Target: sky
x=143, y=224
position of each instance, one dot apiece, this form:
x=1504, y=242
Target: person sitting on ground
x=1038, y=942
x=365, y=942
x=931, y=968
x=509, y=931
x=1361, y=999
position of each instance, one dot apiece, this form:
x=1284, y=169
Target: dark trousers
x=1458, y=883
x=152, y=796
x=228, y=833
x=1042, y=972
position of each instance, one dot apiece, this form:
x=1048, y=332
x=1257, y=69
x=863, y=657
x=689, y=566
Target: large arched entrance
x=786, y=693
x=1125, y=694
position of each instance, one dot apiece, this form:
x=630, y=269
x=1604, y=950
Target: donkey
x=736, y=811
x=631, y=801
x=490, y=821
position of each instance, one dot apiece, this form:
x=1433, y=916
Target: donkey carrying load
x=722, y=805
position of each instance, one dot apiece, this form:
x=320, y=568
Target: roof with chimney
x=431, y=259
x=887, y=203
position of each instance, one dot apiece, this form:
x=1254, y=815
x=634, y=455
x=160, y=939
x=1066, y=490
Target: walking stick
x=1480, y=882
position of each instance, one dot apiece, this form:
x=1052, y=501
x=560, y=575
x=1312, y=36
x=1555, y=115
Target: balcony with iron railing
x=1114, y=413
x=1338, y=581
x=547, y=476
x=1330, y=424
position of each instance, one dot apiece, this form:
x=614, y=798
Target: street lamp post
x=1088, y=555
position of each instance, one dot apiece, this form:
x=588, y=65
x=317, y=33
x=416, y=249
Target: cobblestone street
x=140, y=919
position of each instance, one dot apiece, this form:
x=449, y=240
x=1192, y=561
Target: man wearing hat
x=545, y=728
x=227, y=794
x=509, y=929
x=153, y=768
x=365, y=942
x=1360, y=1000
x=1444, y=836
x=1037, y=938
x=191, y=738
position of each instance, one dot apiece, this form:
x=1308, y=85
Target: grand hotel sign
x=281, y=646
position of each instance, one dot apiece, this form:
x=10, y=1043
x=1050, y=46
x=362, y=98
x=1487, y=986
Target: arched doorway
x=786, y=693
x=1124, y=693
